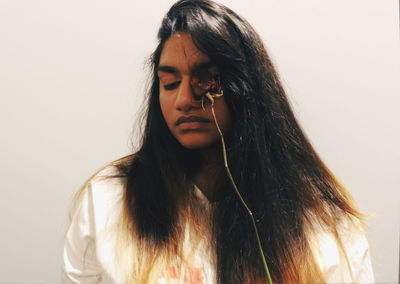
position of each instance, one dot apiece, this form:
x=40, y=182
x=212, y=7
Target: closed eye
x=172, y=85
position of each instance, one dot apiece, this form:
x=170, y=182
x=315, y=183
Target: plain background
x=72, y=77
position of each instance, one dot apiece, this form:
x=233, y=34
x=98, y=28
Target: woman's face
x=192, y=126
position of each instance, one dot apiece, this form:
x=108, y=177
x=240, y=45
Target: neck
x=210, y=174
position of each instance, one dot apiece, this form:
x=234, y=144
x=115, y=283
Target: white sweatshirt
x=89, y=252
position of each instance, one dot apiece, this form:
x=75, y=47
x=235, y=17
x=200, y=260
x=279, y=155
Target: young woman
x=225, y=187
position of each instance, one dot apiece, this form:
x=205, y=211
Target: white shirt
x=89, y=252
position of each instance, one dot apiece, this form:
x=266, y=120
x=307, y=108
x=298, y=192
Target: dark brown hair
x=279, y=174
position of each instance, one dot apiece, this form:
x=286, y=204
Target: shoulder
x=95, y=212
x=343, y=255
x=99, y=190
x=101, y=199
x=104, y=187
x=106, y=183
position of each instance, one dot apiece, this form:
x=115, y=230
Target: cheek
x=165, y=107
x=223, y=115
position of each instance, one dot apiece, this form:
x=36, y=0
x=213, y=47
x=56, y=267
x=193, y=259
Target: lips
x=192, y=118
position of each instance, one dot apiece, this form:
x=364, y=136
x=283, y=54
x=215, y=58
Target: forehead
x=180, y=52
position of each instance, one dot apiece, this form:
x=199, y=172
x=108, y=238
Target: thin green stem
x=211, y=98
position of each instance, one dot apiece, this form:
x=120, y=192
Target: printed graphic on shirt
x=187, y=275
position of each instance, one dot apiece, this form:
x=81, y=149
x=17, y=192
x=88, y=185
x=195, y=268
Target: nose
x=185, y=100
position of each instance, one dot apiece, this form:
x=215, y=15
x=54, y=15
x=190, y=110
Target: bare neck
x=208, y=177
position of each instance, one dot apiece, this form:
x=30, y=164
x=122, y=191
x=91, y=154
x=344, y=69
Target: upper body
x=266, y=208
x=91, y=240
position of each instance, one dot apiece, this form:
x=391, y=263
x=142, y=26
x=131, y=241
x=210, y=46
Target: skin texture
x=178, y=62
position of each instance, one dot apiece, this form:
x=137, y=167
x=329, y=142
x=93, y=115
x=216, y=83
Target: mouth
x=192, y=118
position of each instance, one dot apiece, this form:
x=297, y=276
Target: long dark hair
x=276, y=169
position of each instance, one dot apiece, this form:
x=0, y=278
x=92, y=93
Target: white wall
x=71, y=79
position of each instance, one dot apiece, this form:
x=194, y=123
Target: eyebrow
x=194, y=68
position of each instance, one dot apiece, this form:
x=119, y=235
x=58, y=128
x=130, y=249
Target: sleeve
x=361, y=261
x=335, y=264
x=79, y=256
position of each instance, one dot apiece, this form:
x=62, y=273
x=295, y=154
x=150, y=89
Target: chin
x=194, y=144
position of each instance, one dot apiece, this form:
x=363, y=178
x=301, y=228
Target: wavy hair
x=279, y=174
